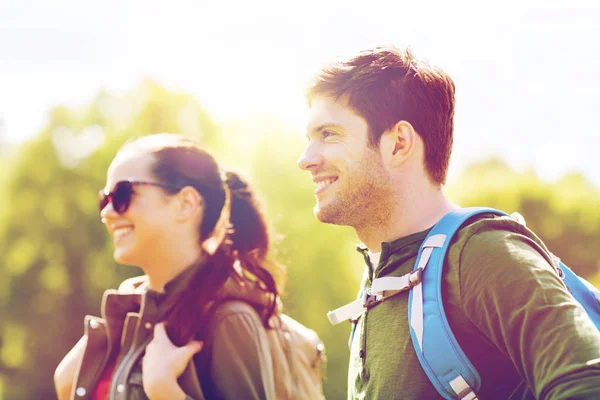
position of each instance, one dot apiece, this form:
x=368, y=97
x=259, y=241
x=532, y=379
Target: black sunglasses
x=120, y=196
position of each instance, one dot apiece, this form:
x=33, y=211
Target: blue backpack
x=439, y=353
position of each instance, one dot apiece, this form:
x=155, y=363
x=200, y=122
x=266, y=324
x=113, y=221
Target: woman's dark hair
x=182, y=162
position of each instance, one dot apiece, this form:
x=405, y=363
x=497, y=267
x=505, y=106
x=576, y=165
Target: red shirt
x=103, y=385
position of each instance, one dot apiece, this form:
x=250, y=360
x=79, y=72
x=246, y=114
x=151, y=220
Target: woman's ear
x=398, y=143
x=189, y=204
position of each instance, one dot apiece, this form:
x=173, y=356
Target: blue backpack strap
x=583, y=291
x=440, y=355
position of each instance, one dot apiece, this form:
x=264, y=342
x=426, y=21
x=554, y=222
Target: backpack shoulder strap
x=440, y=355
x=584, y=292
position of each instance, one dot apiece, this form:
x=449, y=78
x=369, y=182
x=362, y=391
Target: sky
x=527, y=72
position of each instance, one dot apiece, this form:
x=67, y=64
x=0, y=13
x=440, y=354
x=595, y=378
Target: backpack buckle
x=371, y=300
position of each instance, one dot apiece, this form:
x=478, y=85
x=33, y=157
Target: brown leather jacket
x=126, y=327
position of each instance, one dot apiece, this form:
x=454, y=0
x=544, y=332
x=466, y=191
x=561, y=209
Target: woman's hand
x=164, y=363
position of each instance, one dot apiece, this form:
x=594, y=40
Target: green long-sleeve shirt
x=508, y=308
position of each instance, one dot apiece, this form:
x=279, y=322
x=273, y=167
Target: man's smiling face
x=349, y=174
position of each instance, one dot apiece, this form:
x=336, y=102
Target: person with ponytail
x=194, y=325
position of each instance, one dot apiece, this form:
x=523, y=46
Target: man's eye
x=327, y=134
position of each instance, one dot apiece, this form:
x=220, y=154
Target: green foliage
x=55, y=259
x=564, y=214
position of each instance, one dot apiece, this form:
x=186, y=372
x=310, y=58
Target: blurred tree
x=55, y=259
x=564, y=214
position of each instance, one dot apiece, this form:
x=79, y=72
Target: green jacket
x=235, y=358
x=508, y=308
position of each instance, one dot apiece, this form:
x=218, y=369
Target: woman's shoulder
x=231, y=309
x=234, y=317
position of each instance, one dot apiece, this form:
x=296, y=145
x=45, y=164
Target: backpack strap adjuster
x=371, y=300
x=415, y=278
x=462, y=389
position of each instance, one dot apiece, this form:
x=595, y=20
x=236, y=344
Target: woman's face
x=142, y=234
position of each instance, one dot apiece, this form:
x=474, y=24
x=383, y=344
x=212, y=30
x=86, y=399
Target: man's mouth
x=324, y=184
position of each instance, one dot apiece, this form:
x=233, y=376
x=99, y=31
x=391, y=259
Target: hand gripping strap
x=437, y=349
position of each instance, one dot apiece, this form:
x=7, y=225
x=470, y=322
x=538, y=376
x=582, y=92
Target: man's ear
x=398, y=143
x=189, y=204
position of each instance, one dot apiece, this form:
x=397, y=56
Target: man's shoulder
x=492, y=249
x=494, y=234
x=490, y=227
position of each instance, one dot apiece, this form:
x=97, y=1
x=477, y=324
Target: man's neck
x=406, y=218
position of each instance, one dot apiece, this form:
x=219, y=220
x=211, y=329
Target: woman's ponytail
x=250, y=237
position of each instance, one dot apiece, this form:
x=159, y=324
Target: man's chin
x=327, y=215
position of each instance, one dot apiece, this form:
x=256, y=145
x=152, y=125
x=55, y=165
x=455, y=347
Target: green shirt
x=508, y=308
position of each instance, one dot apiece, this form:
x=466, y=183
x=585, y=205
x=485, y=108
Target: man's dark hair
x=386, y=85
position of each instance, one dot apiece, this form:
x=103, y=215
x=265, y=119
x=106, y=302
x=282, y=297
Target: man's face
x=352, y=183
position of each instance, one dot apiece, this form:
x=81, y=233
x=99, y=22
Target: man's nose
x=311, y=158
